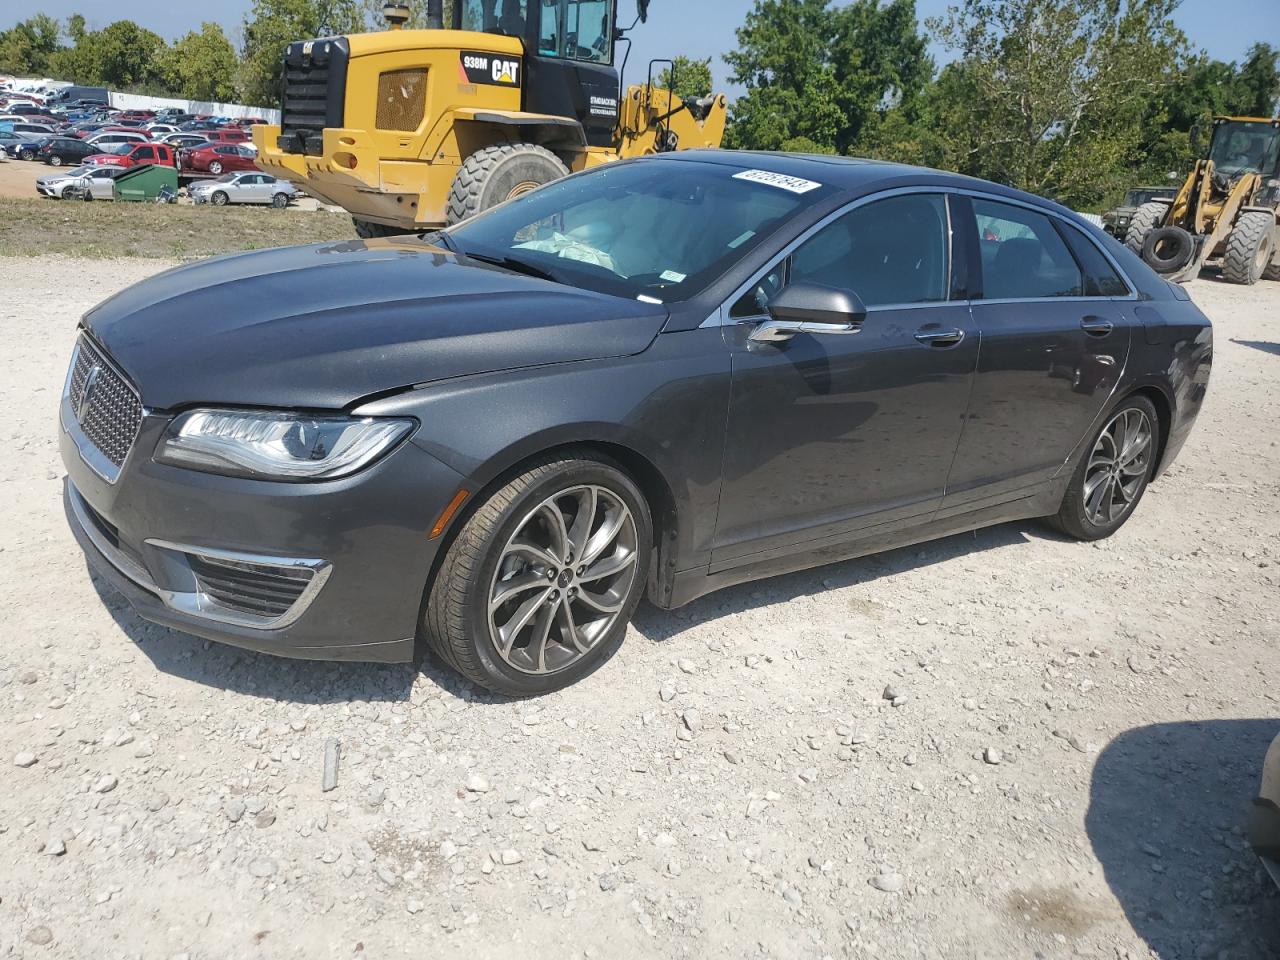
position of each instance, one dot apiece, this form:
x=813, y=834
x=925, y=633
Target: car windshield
x=660, y=230
x=1242, y=147
x=227, y=178
x=117, y=148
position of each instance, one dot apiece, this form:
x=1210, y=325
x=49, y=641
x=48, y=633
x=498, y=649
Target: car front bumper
x=360, y=544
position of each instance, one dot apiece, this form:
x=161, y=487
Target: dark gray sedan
x=660, y=378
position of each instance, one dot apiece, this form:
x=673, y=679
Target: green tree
x=1050, y=95
x=122, y=56
x=76, y=28
x=26, y=47
x=692, y=77
x=417, y=14
x=273, y=24
x=1257, y=82
x=816, y=74
x=201, y=66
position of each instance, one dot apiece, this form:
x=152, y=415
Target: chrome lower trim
x=193, y=602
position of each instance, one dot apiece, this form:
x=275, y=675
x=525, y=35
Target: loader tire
x=368, y=230
x=1249, y=248
x=1147, y=218
x=502, y=172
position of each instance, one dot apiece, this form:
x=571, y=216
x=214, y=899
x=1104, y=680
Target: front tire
x=1249, y=248
x=537, y=589
x=279, y=201
x=1113, y=474
x=55, y=161
x=1145, y=219
x=502, y=172
x=219, y=199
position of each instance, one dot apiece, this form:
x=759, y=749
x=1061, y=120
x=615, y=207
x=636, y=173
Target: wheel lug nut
x=551, y=574
x=582, y=569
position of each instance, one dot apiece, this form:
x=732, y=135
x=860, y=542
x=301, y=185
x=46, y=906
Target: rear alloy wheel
x=216, y=168
x=1250, y=246
x=1145, y=219
x=219, y=198
x=26, y=154
x=499, y=173
x=537, y=590
x=1111, y=479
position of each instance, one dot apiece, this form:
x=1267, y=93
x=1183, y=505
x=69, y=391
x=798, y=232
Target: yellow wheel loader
x=411, y=130
x=1226, y=209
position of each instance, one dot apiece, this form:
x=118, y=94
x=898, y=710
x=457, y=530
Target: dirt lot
x=31, y=225
x=172, y=804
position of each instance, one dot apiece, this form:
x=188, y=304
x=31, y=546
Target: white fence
x=133, y=101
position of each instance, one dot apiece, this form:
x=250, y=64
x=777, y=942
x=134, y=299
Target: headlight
x=270, y=445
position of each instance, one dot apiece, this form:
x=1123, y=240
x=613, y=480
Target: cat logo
x=488, y=69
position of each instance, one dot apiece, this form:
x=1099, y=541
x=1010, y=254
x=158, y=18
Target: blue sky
x=696, y=28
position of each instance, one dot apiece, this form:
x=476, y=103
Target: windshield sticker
x=779, y=180
x=672, y=276
x=739, y=241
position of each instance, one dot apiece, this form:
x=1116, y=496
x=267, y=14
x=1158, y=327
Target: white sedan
x=244, y=187
x=90, y=182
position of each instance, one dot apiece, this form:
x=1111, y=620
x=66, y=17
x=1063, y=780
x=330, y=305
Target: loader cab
x=568, y=63
x=1244, y=145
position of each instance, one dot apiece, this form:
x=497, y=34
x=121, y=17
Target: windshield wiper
x=516, y=266
x=442, y=238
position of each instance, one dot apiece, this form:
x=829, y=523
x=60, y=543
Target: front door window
x=577, y=30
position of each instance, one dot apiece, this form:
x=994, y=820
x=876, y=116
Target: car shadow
x=1265, y=346
x=660, y=625
x=1168, y=809
x=218, y=665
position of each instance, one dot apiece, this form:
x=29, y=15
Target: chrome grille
x=113, y=412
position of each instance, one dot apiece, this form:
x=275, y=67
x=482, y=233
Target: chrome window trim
x=720, y=316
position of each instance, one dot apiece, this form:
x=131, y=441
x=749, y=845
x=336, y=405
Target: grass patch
x=35, y=227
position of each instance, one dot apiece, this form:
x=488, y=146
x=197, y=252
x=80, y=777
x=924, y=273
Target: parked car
x=1116, y=221
x=11, y=143
x=56, y=151
x=116, y=136
x=219, y=158
x=84, y=183
x=156, y=130
x=184, y=141
x=37, y=129
x=666, y=375
x=1264, y=825
x=135, y=154
x=227, y=135
x=244, y=188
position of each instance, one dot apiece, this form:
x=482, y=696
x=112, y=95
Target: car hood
x=325, y=325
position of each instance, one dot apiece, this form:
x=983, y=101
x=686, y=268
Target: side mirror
x=813, y=308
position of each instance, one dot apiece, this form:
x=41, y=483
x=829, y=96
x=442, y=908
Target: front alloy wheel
x=537, y=588
x=562, y=579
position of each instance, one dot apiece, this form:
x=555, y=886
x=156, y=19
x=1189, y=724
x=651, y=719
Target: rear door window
x=1100, y=277
x=1023, y=256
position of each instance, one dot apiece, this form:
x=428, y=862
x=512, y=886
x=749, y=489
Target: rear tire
x=502, y=172
x=1145, y=219
x=1249, y=248
x=1113, y=473
x=216, y=168
x=500, y=551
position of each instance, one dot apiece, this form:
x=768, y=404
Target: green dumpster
x=145, y=182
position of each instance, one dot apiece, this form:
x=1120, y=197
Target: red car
x=136, y=154
x=219, y=158
x=226, y=135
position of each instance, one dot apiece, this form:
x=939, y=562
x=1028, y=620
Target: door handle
x=1096, y=326
x=933, y=335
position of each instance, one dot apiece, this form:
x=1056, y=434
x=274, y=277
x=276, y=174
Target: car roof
x=853, y=175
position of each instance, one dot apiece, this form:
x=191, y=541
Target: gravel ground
x=1065, y=770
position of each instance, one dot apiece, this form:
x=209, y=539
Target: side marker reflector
x=447, y=514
